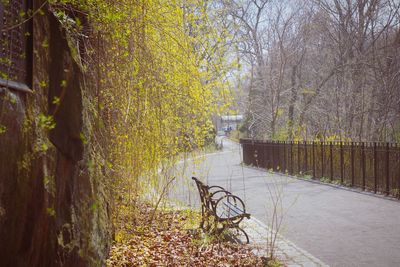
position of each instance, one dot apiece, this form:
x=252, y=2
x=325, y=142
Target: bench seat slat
x=233, y=208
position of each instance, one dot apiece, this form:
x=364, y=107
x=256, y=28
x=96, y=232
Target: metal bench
x=220, y=211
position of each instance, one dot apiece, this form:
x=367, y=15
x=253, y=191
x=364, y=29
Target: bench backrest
x=203, y=192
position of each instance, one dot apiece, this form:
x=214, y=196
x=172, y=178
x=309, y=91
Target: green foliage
x=43, y=84
x=325, y=179
x=25, y=163
x=273, y=263
x=307, y=177
x=63, y=84
x=51, y=212
x=44, y=147
x=94, y=206
x=83, y=138
x=346, y=183
x=56, y=101
x=3, y=129
x=46, y=122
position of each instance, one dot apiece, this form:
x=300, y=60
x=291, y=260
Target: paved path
x=340, y=227
x=287, y=252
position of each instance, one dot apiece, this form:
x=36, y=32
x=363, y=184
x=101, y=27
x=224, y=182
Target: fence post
x=387, y=169
x=276, y=155
x=246, y=147
x=291, y=157
x=341, y=163
x=265, y=149
x=256, y=154
x=269, y=162
x=278, y=164
x=352, y=164
x=398, y=170
x=375, y=170
x=284, y=157
x=305, y=157
x=265, y=154
x=261, y=155
x=322, y=159
x=363, y=164
x=280, y=156
x=272, y=156
x=331, y=153
x=313, y=158
x=274, y=146
x=298, y=157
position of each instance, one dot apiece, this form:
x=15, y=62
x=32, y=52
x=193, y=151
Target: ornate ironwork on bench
x=221, y=210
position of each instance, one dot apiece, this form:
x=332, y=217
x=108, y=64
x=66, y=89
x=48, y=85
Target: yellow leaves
x=157, y=89
x=307, y=91
x=118, y=237
x=280, y=112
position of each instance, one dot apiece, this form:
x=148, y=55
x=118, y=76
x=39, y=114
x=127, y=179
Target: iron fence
x=371, y=166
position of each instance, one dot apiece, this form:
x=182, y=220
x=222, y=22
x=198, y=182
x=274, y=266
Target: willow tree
x=156, y=75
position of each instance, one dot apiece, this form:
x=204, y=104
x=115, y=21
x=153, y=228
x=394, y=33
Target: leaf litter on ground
x=172, y=239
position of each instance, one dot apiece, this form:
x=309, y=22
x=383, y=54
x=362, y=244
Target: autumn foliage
x=171, y=241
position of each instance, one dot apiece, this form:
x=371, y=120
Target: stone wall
x=53, y=211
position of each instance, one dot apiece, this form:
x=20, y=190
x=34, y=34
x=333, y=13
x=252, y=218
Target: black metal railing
x=371, y=166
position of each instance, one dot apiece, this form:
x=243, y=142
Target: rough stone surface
x=52, y=211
